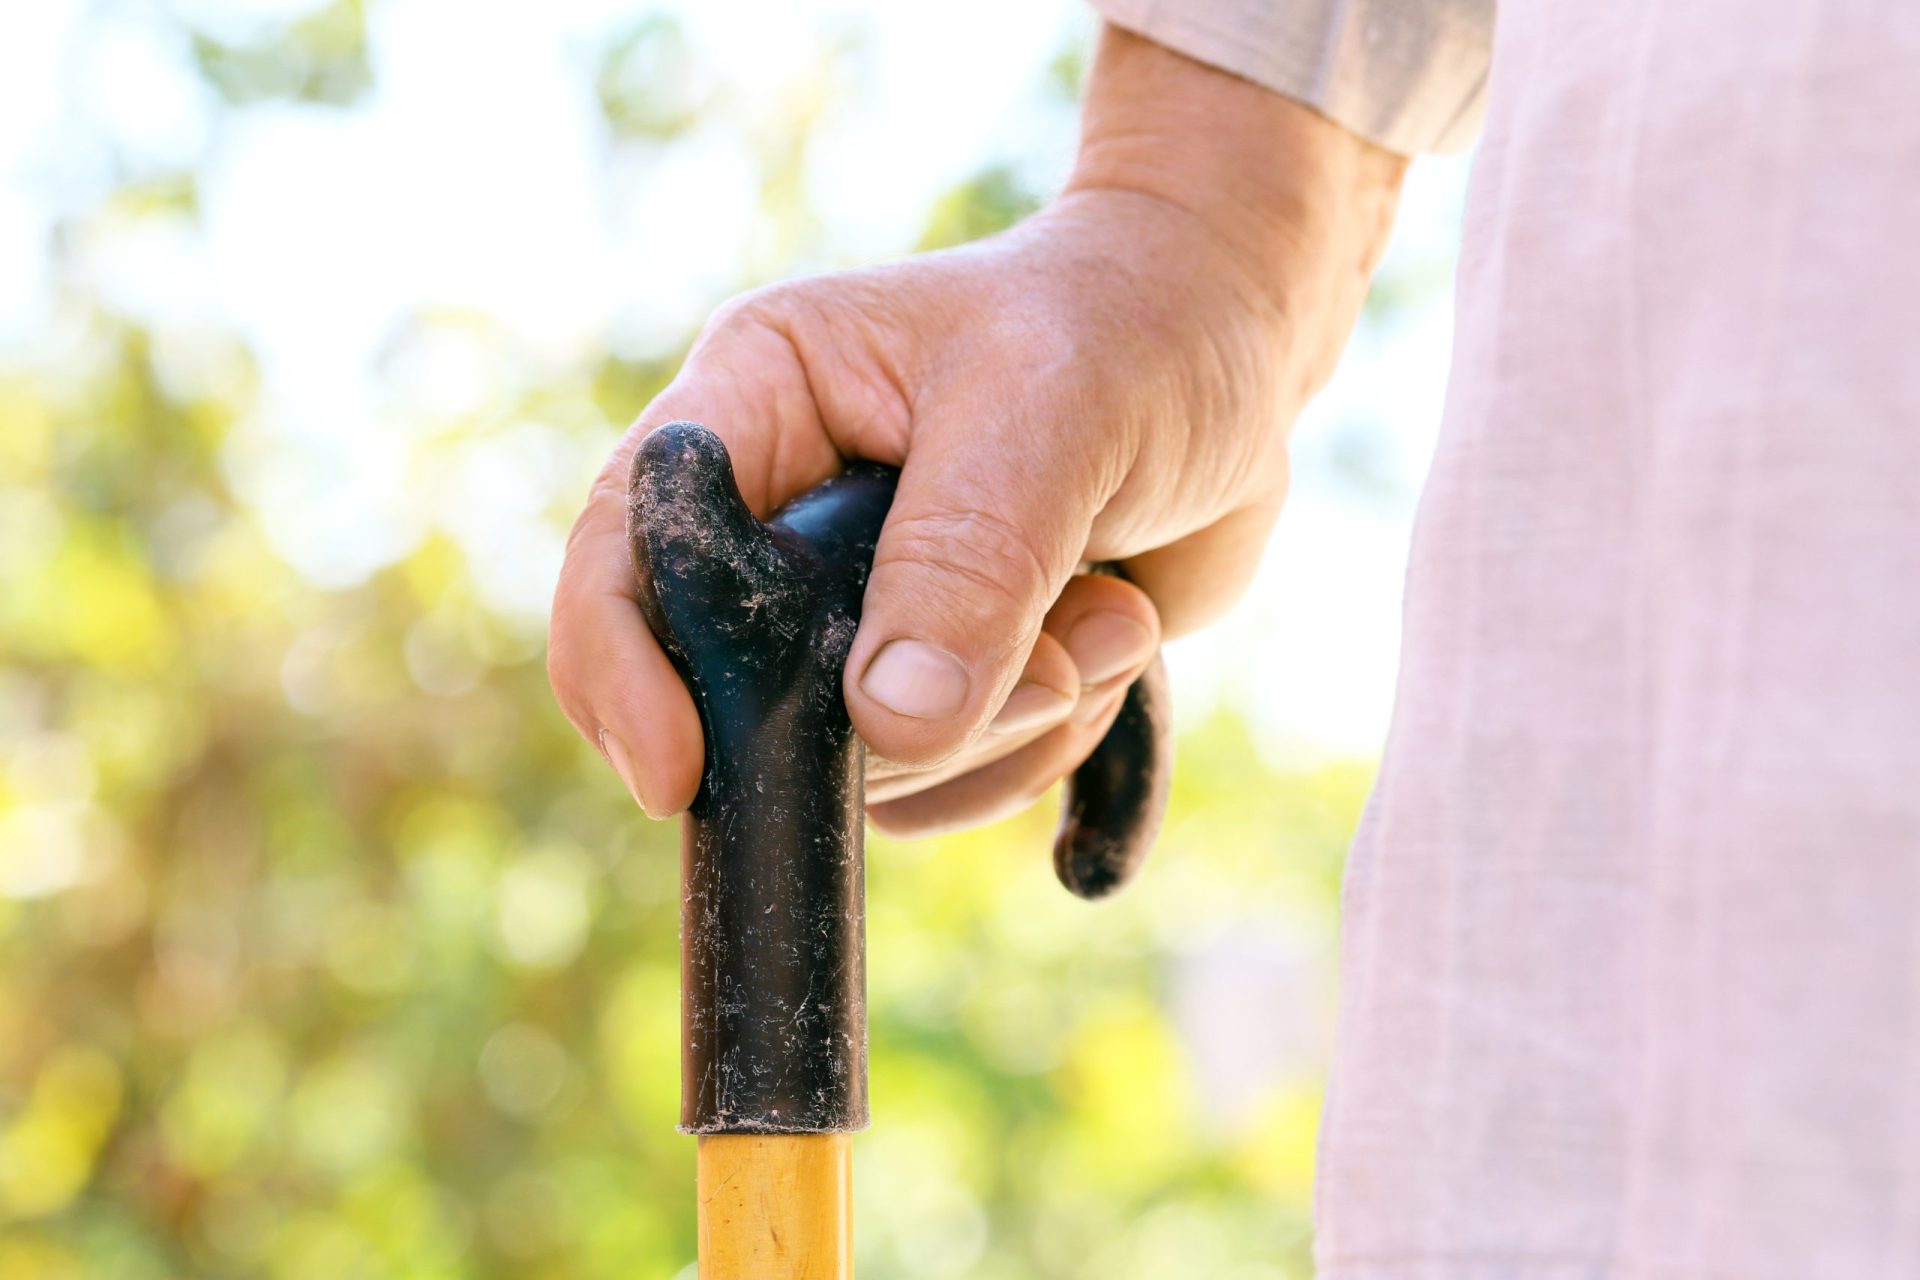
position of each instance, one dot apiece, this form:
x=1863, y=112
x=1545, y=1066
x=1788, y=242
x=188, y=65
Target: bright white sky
x=473, y=178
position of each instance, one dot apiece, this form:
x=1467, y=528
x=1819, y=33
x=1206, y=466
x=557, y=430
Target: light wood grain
x=776, y=1206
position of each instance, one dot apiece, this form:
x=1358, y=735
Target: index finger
x=610, y=675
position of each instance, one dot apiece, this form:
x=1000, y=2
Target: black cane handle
x=758, y=617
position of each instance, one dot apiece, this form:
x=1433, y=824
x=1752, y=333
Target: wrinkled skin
x=1113, y=379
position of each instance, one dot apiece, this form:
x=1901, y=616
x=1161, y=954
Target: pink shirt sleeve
x=1409, y=75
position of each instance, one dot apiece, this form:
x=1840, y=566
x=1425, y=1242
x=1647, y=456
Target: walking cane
x=758, y=618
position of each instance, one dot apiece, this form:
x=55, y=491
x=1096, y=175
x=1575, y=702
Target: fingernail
x=1028, y=705
x=912, y=678
x=1104, y=644
x=617, y=756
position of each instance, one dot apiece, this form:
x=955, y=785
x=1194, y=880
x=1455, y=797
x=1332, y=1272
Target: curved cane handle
x=759, y=618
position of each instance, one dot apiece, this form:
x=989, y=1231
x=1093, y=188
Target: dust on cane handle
x=758, y=618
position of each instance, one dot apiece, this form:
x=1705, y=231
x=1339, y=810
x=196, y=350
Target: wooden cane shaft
x=776, y=1206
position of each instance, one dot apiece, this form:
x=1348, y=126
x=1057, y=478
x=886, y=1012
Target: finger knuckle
x=982, y=562
x=768, y=307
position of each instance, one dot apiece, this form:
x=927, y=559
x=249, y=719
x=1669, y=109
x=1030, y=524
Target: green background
x=328, y=951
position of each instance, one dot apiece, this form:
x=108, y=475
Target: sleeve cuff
x=1409, y=75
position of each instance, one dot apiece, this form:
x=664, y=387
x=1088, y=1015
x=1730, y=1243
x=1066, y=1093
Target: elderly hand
x=1113, y=379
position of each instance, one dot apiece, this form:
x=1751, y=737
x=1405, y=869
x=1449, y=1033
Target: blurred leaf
x=622, y=388
x=988, y=203
x=321, y=58
x=649, y=84
x=1067, y=73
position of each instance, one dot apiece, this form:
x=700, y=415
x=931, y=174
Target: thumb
x=985, y=530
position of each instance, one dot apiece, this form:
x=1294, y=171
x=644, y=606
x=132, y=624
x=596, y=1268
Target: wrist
x=1290, y=197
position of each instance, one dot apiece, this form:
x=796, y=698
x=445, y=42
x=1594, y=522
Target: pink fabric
x=1632, y=947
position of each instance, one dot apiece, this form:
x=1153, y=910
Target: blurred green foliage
x=319, y=57
x=649, y=82
x=990, y=201
x=328, y=951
